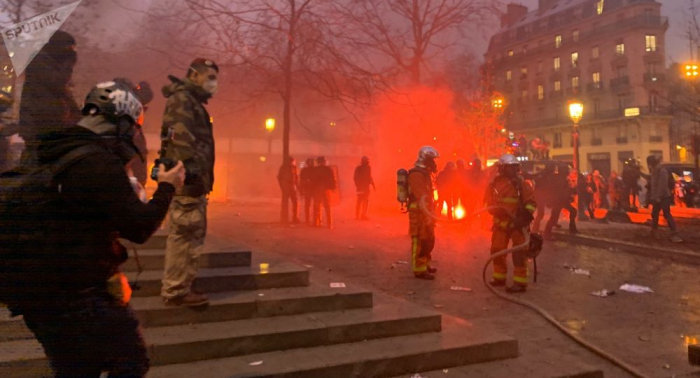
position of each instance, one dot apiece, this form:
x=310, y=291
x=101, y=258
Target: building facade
x=608, y=54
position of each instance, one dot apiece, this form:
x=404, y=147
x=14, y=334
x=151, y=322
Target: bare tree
x=411, y=33
x=279, y=47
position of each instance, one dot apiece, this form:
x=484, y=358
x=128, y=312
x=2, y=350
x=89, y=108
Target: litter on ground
x=636, y=289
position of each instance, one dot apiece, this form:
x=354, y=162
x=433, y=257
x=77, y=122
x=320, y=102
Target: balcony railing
x=590, y=116
x=594, y=87
x=613, y=27
x=620, y=82
x=656, y=138
x=650, y=78
x=596, y=141
x=621, y=140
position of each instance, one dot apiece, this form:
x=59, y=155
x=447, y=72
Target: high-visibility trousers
x=499, y=241
x=422, y=240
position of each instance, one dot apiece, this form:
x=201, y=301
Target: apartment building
x=608, y=54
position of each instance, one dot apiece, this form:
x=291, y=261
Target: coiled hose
x=539, y=310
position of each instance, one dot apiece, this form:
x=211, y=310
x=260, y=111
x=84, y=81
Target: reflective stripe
x=413, y=206
x=415, y=244
x=499, y=276
x=530, y=207
x=522, y=280
x=509, y=200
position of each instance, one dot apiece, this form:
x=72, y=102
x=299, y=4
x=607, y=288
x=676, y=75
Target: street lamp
x=270, y=127
x=692, y=73
x=576, y=113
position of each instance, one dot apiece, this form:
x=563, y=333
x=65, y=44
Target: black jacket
x=99, y=205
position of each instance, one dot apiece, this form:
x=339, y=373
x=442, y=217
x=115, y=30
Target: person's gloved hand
x=524, y=218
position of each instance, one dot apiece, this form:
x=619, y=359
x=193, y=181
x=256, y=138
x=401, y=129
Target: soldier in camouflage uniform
x=188, y=137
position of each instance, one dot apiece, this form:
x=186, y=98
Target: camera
x=168, y=163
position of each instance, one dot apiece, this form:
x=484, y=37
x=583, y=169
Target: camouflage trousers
x=188, y=228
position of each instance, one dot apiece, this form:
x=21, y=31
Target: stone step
x=157, y=241
x=227, y=306
x=458, y=344
x=545, y=363
x=154, y=259
x=197, y=342
x=252, y=304
x=271, y=275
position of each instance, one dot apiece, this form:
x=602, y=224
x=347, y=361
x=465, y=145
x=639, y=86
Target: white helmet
x=508, y=159
x=425, y=154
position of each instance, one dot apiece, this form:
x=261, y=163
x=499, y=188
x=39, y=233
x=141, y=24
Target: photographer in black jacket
x=82, y=317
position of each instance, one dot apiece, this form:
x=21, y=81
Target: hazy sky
x=676, y=46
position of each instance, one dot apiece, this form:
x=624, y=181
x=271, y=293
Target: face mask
x=211, y=86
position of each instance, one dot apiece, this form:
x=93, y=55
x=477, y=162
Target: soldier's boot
x=425, y=276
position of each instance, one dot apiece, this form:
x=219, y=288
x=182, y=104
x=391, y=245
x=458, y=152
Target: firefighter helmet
x=426, y=155
x=364, y=160
x=508, y=159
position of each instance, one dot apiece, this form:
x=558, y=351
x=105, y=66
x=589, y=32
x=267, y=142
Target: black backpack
x=30, y=224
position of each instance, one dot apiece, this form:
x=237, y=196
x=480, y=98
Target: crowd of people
x=459, y=184
x=315, y=184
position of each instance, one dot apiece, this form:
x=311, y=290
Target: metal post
x=575, y=136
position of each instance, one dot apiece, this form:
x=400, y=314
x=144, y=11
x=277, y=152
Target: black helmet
x=115, y=101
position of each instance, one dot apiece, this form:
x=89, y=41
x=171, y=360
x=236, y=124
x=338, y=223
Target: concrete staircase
x=266, y=319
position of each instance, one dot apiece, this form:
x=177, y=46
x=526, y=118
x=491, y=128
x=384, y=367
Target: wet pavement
x=649, y=331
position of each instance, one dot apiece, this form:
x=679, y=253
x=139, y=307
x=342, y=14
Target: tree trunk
x=287, y=96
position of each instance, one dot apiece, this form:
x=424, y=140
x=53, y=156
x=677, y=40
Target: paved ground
x=649, y=331
x=688, y=221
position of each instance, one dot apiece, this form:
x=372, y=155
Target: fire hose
x=539, y=310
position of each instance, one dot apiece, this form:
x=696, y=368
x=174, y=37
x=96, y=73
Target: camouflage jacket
x=191, y=138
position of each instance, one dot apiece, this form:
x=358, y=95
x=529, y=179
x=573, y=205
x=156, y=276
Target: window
x=557, y=140
x=596, y=79
x=510, y=52
x=575, y=35
x=557, y=86
x=595, y=52
x=557, y=63
x=651, y=43
x=600, y=6
x=523, y=70
x=540, y=92
x=574, y=59
x=574, y=82
x=557, y=41
x=621, y=103
x=509, y=75
x=653, y=101
x=620, y=48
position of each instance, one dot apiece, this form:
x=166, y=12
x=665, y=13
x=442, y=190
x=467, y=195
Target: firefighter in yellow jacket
x=516, y=200
x=421, y=225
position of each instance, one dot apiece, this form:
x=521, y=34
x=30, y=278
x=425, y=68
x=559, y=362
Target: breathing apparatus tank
x=402, y=187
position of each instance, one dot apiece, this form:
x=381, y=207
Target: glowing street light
x=576, y=113
x=691, y=71
x=270, y=125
